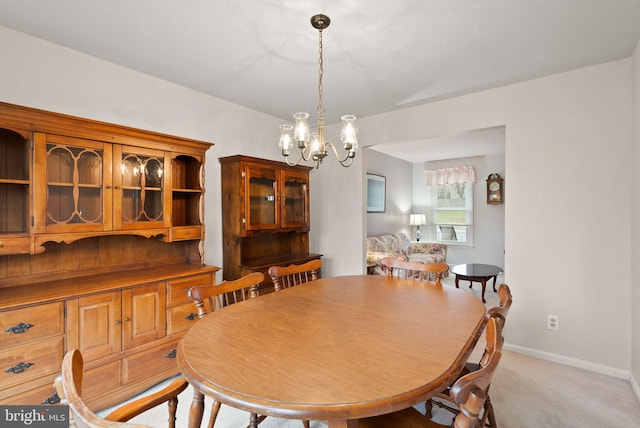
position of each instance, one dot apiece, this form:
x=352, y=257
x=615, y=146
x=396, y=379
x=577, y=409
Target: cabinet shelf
x=10, y=181
x=80, y=186
x=198, y=191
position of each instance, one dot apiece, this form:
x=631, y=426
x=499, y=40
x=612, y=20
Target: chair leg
x=173, y=406
x=255, y=420
x=215, y=408
x=490, y=416
x=305, y=424
x=428, y=408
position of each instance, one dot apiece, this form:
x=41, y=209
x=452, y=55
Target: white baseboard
x=574, y=362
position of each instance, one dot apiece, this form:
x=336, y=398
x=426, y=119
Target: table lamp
x=417, y=220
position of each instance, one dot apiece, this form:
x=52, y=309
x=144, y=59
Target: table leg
x=484, y=286
x=494, y=283
x=196, y=410
x=457, y=279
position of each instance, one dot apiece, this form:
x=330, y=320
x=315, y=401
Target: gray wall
x=399, y=181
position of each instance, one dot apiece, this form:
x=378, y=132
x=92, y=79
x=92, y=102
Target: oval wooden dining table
x=335, y=349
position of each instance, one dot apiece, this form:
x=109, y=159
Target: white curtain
x=457, y=174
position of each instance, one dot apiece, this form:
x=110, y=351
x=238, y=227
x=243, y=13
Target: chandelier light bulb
x=349, y=132
x=301, y=133
x=286, y=139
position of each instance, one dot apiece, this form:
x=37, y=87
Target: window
x=452, y=213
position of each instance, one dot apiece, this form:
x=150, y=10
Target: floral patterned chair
x=400, y=247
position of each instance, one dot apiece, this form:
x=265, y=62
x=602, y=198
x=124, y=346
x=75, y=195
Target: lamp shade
x=417, y=219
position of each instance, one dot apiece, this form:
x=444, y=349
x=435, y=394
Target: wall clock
x=494, y=189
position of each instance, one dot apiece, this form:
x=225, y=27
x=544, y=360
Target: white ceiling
x=379, y=55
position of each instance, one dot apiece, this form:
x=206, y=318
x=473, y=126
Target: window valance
x=457, y=174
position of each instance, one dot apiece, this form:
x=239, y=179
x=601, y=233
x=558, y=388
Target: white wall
x=488, y=220
x=567, y=161
x=568, y=169
x=399, y=194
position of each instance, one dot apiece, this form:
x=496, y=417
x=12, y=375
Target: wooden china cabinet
x=265, y=216
x=101, y=234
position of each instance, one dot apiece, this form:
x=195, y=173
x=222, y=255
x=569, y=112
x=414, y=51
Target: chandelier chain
x=321, y=75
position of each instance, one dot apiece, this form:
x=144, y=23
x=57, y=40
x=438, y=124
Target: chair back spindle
x=431, y=272
x=292, y=275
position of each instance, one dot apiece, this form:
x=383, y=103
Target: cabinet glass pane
x=294, y=209
x=142, y=178
x=262, y=203
x=74, y=185
x=14, y=183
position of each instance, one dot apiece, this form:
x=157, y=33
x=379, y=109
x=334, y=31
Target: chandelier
x=312, y=145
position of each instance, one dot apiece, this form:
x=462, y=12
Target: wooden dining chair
x=432, y=272
x=468, y=393
x=209, y=298
x=499, y=314
x=68, y=385
x=289, y=276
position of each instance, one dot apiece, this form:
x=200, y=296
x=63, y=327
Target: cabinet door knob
x=118, y=322
x=127, y=319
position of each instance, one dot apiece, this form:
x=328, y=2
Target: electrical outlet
x=553, y=322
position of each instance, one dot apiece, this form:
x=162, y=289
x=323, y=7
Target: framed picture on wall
x=376, y=193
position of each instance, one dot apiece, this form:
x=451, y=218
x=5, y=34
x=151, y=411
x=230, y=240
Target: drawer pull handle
x=191, y=316
x=18, y=368
x=19, y=328
x=54, y=399
x=171, y=354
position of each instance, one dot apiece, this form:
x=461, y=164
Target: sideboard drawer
x=99, y=379
x=26, y=324
x=147, y=362
x=177, y=292
x=181, y=318
x=45, y=394
x=24, y=363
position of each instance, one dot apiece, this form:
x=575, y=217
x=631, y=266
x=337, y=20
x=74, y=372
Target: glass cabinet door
x=14, y=193
x=139, y=188
x=295, y=197
x=261, y=207
x=75, y=198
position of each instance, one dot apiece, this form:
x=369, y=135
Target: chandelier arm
x=302, y=157
x=345, y=164
x=335, y=152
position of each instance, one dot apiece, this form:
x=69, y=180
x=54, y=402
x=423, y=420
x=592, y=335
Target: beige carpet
x=526, y=392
